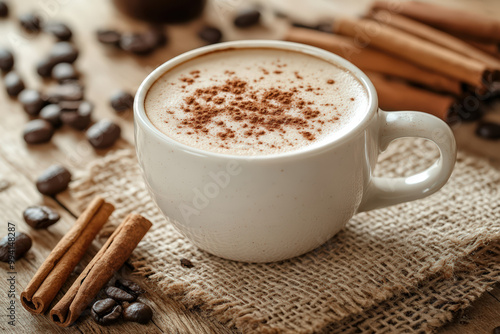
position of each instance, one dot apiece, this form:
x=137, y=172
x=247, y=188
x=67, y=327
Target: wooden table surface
x=105, y=70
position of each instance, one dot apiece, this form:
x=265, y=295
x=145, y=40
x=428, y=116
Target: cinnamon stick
x=369, y=59
x=68, y=252
x=434, y=35
x=491, y=48
x=395, y=95
x=415, y=49
x=456, y=21
x=98, y=272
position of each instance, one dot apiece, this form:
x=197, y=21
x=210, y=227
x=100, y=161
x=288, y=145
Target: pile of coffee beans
x=13, y=247
x=121, y=303
x=63, y=103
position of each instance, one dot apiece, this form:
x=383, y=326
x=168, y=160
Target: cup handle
x=385, y=191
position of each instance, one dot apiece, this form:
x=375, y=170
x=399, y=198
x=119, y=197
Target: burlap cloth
x=406, y=268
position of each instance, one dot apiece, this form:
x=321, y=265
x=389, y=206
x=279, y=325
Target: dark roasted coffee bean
x=40, y=216
x=469, y=109
x=53, y=180
x=247, y=18
x=4, y=9
x=63, y=52
x=106, y=311
x=137, y=44
x=65, y=92
x=30, y=22
x=13, y=83
x=44, y=68
x=6, y=60
x=64, y=71
x=496, y=330
x=38, y=131
x=119, y=295
x=61, y=31
x=488, y=130
x=186, y=263
x=103, y=134
x=31, y=101
x=79, y=119
x=210, y=35
x=138, y=312
x=110, y=37
x=13, y=247
x=129, y=286
x=52, y=114
x=121, y=101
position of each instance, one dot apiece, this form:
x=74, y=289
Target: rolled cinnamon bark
x=434, y=35
x=456, y=21
x=395, y=95
x=414, y=49
x=369, y=59
x=68, y=252
x=98, y=272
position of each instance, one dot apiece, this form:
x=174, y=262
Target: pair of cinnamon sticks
x=401, y=41
x=58, y=266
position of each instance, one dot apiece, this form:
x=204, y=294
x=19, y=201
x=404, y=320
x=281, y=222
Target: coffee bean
x=63, y=52
x=6, y=60
x=488, y=130
x=76, y=120
x=109, y=37
x=53, y=180
x=65, y=92
x=44, y=68
x=118, y=294
x=186, y=263
x=138, y=312
x=64, y=71
x=52, y=114
x=30, y=22
x=130, y=287
x=137, y=43
x=121, y=101
x=40, y=216
x=103, y=134
x=247, y=18
x=106, y=311
x=210, y=35
x=496, y=330
x=14, y=247
x=31, y=101
x=61, y=31
x=38, y=131
x=13, y=83
x=4, y=9
x=468, y=109
x=79, y=119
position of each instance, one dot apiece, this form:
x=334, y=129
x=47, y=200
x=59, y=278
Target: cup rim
x=140, y=117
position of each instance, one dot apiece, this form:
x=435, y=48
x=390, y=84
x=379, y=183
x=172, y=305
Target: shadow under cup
x=265, y=208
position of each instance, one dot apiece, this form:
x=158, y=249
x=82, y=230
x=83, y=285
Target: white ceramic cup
x=274, y=207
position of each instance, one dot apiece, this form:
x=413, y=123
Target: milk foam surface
x=255, y=102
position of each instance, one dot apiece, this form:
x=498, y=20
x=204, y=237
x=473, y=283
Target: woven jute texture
x=404, y=268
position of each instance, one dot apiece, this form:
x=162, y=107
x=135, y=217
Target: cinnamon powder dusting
x=259, y=110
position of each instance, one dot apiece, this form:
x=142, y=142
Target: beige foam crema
x=255, y=102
